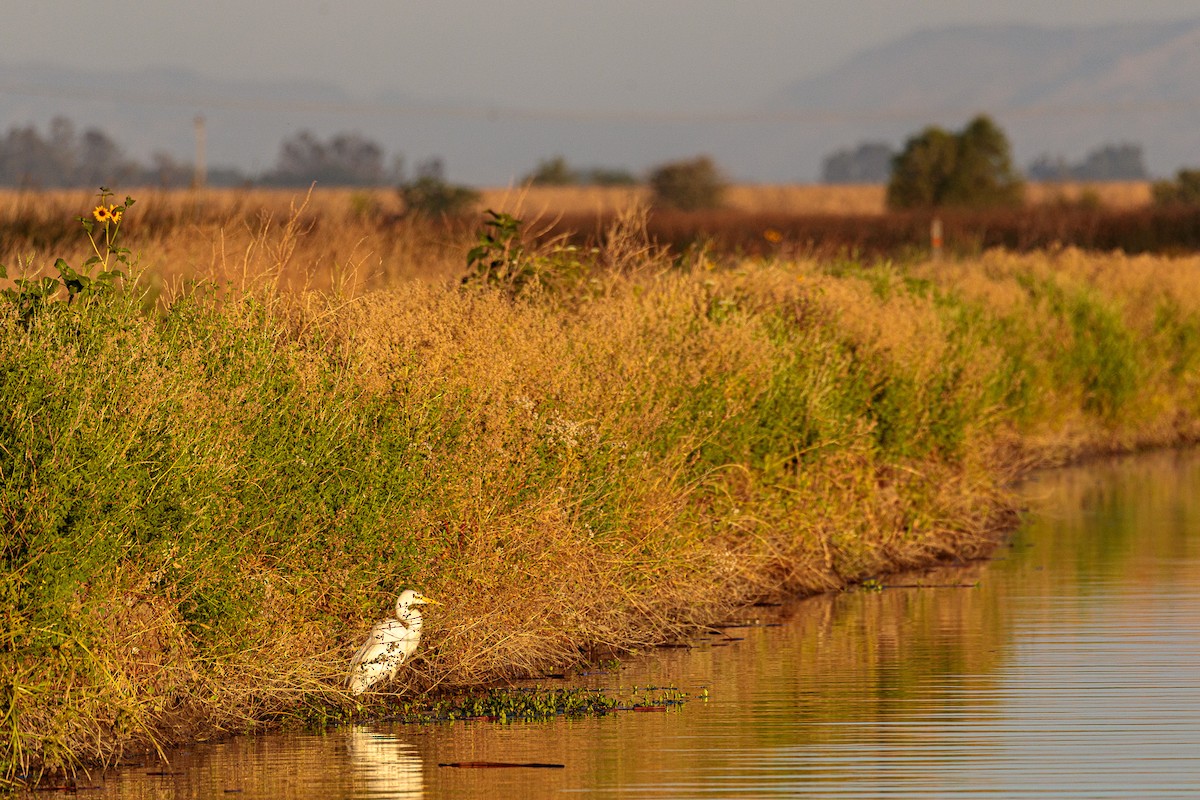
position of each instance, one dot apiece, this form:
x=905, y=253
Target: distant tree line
x=869, y=162
x=972, y=168
x=873, y=162
x=62, y=156
x=967, y=168
x=1111, y=162
x=693, y=184
x=344, y=159
x=557, y=172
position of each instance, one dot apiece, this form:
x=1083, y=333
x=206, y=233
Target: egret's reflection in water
x=384, y=764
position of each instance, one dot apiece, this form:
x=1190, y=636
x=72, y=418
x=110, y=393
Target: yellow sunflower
x=115, y=212
x=102, y=213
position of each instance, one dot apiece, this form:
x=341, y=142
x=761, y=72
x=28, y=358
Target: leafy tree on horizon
x=970, y=168
x=689, y=185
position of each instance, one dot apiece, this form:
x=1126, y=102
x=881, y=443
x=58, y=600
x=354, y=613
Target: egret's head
x=411, y=597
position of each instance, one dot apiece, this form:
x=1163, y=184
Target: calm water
x=1071, y=670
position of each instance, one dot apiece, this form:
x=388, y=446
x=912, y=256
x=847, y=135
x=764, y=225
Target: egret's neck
x=410, y=616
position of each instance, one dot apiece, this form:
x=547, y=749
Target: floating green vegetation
x=528, y=704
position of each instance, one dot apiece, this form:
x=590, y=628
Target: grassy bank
x=206, y=502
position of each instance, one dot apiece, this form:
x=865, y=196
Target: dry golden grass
x=350, y=241
x=1107, y=194
x=867, y=199
x=206, y=205
x=328, y=240
x=751, y=198
x=533, y=201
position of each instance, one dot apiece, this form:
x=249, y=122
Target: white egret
x=390, y=644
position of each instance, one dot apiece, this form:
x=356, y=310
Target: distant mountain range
x=1058, y=91
x=1061, y=92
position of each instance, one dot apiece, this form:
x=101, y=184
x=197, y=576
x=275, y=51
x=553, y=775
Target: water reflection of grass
x=1119, y=525
x=905, y=684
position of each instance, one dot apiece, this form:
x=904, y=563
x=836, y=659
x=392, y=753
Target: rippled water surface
x=1068, y=666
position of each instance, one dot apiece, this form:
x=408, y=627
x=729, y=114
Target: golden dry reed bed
x=212, y=486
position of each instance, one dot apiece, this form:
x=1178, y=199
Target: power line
x=513, y=113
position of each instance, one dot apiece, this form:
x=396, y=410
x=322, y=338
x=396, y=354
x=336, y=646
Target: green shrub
x=552, y=172
x=430, y=194
x=1184, y=190
x=609, y=176
x=500, y=260
x=691, y=185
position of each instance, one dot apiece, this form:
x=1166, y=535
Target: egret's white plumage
x=390, y=643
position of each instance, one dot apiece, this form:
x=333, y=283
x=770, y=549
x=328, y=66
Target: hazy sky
x=684, y=55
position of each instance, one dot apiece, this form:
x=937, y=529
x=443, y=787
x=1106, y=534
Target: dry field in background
x=535, y=200
x=789, y=198
x=350, y=240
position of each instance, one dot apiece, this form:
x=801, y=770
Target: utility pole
x=201, y=171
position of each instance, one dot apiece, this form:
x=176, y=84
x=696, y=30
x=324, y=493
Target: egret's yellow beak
x=430, y=600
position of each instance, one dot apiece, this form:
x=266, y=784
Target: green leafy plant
x=498, y=257
x=96, y=276
x=500, y=260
